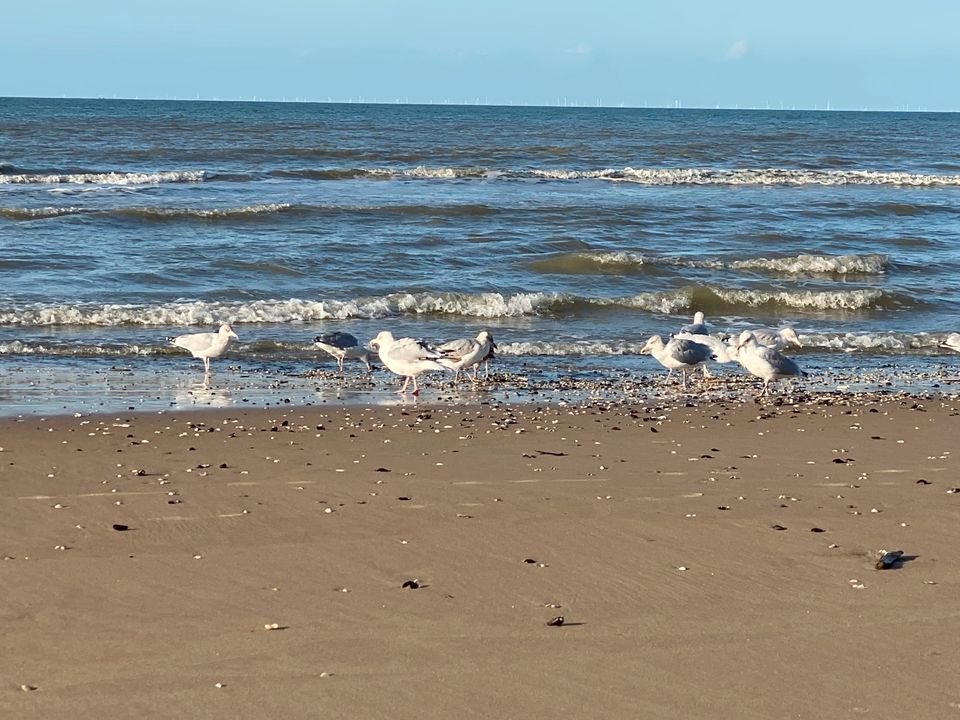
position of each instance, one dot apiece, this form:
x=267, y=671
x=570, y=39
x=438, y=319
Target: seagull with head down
x=343, y=346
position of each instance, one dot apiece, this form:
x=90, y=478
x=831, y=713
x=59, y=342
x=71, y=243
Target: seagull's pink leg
x=403, y=389
x=416, y=390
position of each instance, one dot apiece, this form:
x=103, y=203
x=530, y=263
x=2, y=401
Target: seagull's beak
x=234, y=335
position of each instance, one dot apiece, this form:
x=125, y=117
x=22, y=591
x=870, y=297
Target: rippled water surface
x=570, y=233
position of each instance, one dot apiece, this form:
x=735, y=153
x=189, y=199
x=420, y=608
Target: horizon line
x=599, y=105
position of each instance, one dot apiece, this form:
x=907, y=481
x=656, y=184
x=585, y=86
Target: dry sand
x=677, y=544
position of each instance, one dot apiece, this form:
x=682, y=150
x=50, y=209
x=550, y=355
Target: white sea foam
x=479, y=305
x=748, y=176
x=803, y=299
x=110, y=178
x=825, y=264
x=871, y=264
x=482, y=305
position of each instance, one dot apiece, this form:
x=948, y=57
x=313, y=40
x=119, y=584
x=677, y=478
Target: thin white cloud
x=581, y=49
x=737, y=50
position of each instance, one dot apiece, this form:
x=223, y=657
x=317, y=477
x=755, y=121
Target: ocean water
x=572, y=234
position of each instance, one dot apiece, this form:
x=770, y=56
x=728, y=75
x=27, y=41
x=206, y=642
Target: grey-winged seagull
x=464, y=353
x=764, y=362
x=343, y=346
x=697, y=327
x=206, y=345
x=406, y=357
x=677, y=354
x=777, y=339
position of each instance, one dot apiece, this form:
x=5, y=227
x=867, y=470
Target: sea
x=572, y=234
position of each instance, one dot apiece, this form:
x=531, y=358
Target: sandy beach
x=713, y=561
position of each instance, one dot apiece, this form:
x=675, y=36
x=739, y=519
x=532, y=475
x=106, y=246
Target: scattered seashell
x=271, y=626
x=556, y=622
x=778, y=527
x=412, y=584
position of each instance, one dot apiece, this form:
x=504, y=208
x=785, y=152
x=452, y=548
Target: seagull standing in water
x=764, y=362
x=697, y=327
x=406, y=357
x=465, y=353
x=677, y=354
x=206, y=345
x=343, y=346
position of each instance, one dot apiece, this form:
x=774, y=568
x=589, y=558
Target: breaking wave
x=641, y=176
x=107, y=178
x=149, y=213
x=632, y=262
x=474, y=305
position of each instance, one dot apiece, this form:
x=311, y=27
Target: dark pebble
x=817, y=530
x=120, y=528
x=778, y=527
x=556, y=622
x=412, y=584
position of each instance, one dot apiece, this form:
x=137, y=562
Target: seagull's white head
x=228, y=331
x=746, y=338
x=790, y=335
x=654, y=343
x=486, y=337
x=384, y=336
x=698, y=318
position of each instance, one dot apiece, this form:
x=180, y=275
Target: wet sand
x=713, y=561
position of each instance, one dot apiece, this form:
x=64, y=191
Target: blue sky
x=844, y=53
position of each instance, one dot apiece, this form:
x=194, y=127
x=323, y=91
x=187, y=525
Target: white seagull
x=406, y=357
x=466, y=353
x=952, y=342
x=764, y=362
x=677, y=354
x=206, y=345
x=343, y=346
x=697, y=327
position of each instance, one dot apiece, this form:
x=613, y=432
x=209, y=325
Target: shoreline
x=679, y=543
x=50, y=389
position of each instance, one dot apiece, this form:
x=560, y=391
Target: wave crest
x=108, y=178
x=627, y=261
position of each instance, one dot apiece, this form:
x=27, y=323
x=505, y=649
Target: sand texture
x=708, y=562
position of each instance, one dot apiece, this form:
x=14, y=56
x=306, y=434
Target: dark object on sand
x=120, y=528
x=887, y=560
x=412, y=584
x=556, y=622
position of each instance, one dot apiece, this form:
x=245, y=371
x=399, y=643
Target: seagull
x=677, y=354
x=343, y=346
x=722, y=353
x=206, y=345
x=406, y=357
x=465, y=353
x=697, y=327
x=952, y=342
x=764, y=362
x=777, y=339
